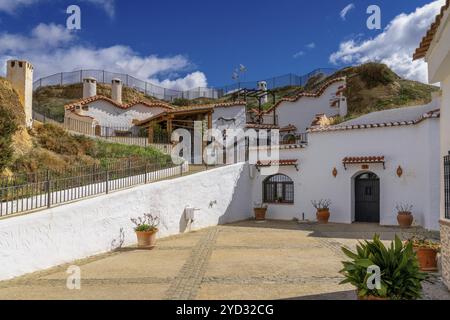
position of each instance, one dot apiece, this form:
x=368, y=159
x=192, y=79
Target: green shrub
x=8, y=127
x=375, y=74
x=401, y=278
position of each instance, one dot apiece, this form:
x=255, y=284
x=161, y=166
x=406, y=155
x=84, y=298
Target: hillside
x=374, y=87
x=370, y=87
x=51, y=147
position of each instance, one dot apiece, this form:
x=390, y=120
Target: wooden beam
x=150, y=134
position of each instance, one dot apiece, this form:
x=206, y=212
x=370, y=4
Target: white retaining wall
x=59, y=235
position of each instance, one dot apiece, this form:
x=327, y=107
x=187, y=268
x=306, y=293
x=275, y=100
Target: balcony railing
x=294, y=139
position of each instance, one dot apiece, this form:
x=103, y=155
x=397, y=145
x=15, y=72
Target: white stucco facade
x=413, y=147
x=301, y=112
x=229, y=117
x=109, y=115
x=62, y=234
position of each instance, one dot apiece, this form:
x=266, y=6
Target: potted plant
x=260, y=210
x=146, y=228
x=404, y=215
x=426, y=251
x=401, y=278
x=323, y=210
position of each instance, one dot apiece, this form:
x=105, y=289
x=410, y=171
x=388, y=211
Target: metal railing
x=150, y=89
x=294, y=139
x=41, y=190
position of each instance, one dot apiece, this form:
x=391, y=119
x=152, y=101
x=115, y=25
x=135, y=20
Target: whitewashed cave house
x=95, y=114
x=365, y=166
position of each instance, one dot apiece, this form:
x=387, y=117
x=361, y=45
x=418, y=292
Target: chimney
x=116, y=90
x=89, y=87
x=20, y=74
x=262, y=85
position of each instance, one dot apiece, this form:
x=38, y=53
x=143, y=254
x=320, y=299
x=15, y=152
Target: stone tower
x=116, y=90
x=89, y=87
x=20, y=74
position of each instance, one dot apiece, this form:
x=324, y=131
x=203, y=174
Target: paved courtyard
x=245, y=260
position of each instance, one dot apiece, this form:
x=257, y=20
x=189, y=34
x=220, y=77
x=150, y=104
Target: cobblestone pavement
x=245, y=260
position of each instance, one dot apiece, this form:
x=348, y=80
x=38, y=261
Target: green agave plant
x=401, y=278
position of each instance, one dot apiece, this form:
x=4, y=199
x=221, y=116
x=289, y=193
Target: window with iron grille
x=278, y=189
x=447, y=186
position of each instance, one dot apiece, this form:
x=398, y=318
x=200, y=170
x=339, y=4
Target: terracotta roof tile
x=316, y=94
x=365, y=159
x=261, y=126
x=288, y=128
x=86, y=101
x=268, y=163
x=422, y=50
x=431, y=114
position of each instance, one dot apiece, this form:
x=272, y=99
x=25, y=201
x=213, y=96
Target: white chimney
x=89, y=87
x=116, y=90
x=20, y=75
x=262, y=85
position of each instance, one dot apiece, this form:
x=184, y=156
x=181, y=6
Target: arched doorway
x=367, y=197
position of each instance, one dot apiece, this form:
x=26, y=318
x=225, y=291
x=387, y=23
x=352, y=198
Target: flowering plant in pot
x=146, y=228
x=260, y=210
x=323, y=209
x=400, y=275
x=404, y=215
x=426, y=251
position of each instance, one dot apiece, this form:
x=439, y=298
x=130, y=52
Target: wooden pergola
x=181, y=117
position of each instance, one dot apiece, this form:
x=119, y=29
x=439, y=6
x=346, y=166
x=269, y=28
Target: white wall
x=111, y=116
x=445, y=135
x=59, y=235
x=237, y=113
x=415, y=148
x=303, y=111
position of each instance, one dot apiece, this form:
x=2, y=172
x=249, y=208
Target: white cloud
x=11, y=6
x=298, y=54
x=52, y=49
x=395, y=45
x=311, y=45
x=346, y=10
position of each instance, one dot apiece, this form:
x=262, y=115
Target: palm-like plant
x=401, y=278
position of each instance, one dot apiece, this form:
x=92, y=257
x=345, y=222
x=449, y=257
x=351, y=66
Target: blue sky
x=187, y=43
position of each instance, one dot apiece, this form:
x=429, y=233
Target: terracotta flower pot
x=146, y=239
x=260, y=213
x=323, y=215
x=427, y=258
x=405, y=219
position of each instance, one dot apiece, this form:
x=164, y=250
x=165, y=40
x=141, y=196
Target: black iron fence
x=290, y=79
x=447, y=186
x=102, y=76
x=26, y=192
